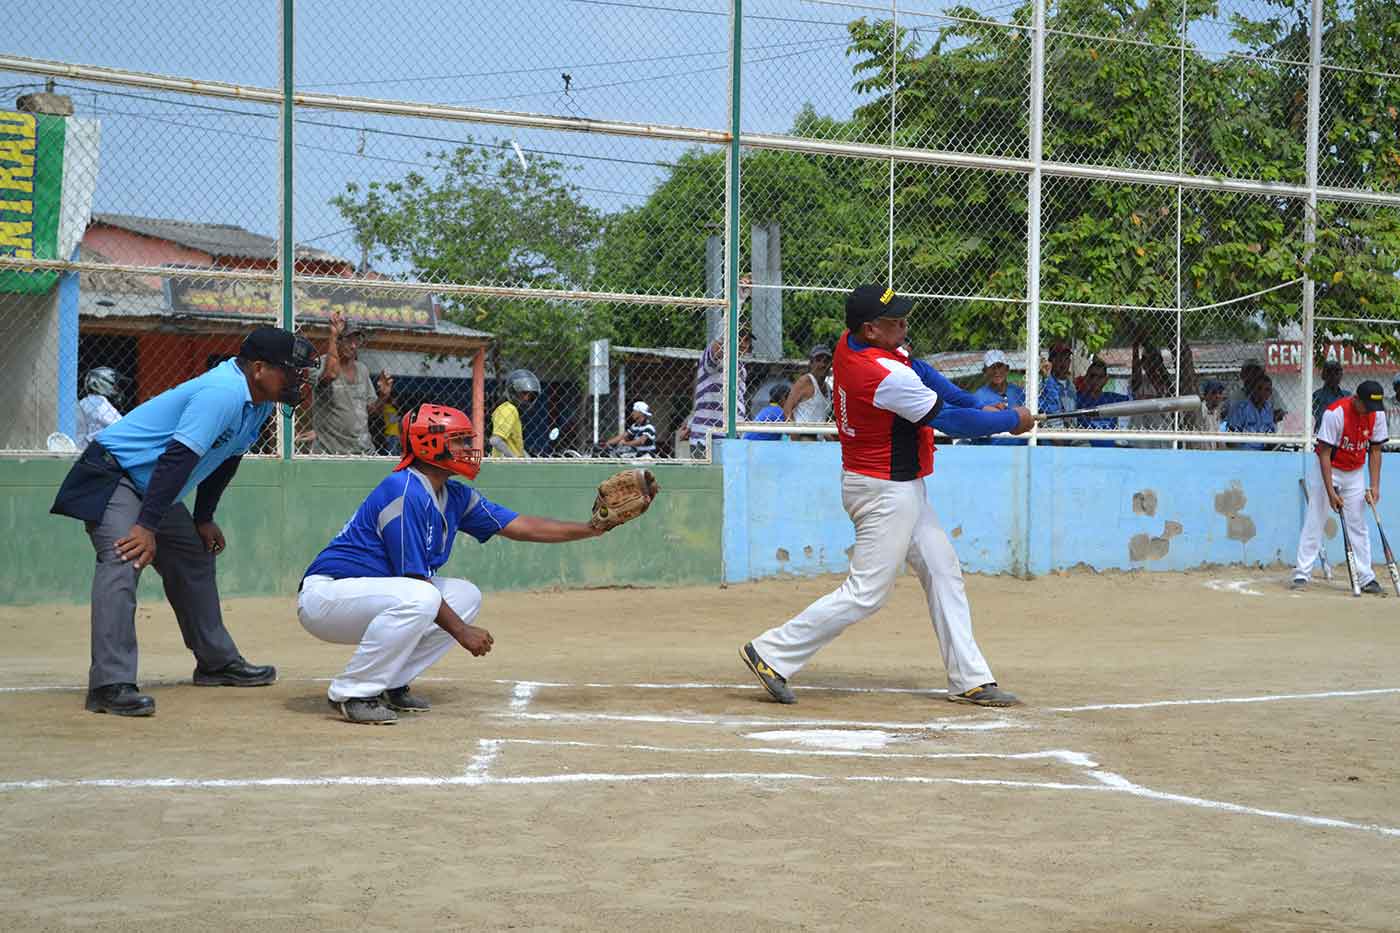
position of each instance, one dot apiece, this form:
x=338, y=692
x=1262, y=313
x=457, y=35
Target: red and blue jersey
x=887, y=406
x=406, y=528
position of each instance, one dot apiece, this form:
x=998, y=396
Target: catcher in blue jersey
x=376, y=585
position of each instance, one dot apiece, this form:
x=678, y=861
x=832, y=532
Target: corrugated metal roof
x=214, y=239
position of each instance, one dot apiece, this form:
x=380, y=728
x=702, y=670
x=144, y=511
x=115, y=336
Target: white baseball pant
x=894, y=523
x=1353, y=485
x=392, y=621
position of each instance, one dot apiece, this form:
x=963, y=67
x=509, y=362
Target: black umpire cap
x=868, y=302
x=279, y=347
x=1371, y=395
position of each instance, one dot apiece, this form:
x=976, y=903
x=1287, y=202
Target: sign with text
x=31, y=184
x=313, y=302
x=1286, y=356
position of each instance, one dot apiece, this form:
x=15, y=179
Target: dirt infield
x=1200, y=751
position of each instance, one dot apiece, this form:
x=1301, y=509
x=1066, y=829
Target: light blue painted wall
x=1033, y=510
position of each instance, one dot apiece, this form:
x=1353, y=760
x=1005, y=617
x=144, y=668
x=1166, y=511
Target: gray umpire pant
x=187, y=572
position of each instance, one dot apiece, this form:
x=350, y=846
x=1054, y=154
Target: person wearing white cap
x=640, y=434
x=996, y=394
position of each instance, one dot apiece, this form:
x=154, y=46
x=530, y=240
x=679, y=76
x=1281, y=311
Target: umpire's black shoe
x=1373, y=588
x=400, y=699
x=773, y=682
x=236, y=673
x=120, y=700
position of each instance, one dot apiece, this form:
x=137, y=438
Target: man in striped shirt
x=707, y=415
x=640, y=435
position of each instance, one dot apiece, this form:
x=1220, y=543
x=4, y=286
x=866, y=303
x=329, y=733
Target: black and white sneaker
x=1299, y=583
x=369, y=711
x=1373, y=588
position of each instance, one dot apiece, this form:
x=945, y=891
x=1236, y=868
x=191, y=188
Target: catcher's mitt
x=622, y=497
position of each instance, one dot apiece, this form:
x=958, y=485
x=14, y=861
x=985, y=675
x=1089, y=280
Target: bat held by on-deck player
x=1322, y=554
x=1385, y=545
x=1353, y=571
x=1146, y=406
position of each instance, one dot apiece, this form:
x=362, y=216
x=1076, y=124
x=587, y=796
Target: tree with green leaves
x=478, y=216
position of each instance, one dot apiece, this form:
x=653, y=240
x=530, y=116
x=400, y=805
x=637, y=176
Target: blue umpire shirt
x=213, y=415
x=1014, y=396
x=405, y=528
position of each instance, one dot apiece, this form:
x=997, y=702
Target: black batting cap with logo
x=1371, y=395
x=869, y=302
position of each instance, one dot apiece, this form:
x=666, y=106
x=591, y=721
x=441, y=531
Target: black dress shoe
x=120, y=700
x=236, y=673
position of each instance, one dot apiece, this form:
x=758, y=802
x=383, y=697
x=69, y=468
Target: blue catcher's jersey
x=404, y=528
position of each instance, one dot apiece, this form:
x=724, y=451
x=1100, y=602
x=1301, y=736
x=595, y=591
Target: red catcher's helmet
x=425, y=432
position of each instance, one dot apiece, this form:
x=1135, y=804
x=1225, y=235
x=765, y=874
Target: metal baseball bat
x=1322, y=554
x=1389, y=555
x=1353, y=572
x=1147, y=406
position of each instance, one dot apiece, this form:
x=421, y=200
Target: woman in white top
x=809, y=400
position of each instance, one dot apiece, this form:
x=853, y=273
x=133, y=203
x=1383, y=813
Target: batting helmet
x=104, y=381
x=518, y=382
x=426, y=432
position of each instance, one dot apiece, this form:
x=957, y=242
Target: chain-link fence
x=545, y=213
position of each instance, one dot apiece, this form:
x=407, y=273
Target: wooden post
x=479, y=399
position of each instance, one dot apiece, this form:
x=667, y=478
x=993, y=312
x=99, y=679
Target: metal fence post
x=1310, y=218
x=286, y=251
x=731, y=194
x=1037, y=116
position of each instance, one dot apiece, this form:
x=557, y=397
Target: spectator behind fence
x=1250, y=371
x=707, y=414
x=1057, y=391
x=100, y=407
x=808, y=402
x=996, y=394
x=345, y=396
x=1392, y=415
x=773, y=411
x=390, y=414
x=1095, y=377
x=640, y=434
x=1331, y=390
x=1211, y=416
x=1255, y=414
x=507, y=421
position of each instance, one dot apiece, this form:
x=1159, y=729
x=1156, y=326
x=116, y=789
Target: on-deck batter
x=1349, y=428
x=885, y=406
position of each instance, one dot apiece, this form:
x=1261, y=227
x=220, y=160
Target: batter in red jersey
x=1350, y=429
x=886, y=405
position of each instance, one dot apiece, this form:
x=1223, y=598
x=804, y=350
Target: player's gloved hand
x=622, y=497
x=211, y=535
x=138, y=547
x=1026, y=419
x=476, y=640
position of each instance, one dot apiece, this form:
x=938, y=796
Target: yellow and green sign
x=31, y=190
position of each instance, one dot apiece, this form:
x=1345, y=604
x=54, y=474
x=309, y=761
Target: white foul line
x=479, y=769
x=523, y=693
x=1219, y=700
x=1108, y=783
x=938, y=726
x=1076, y=759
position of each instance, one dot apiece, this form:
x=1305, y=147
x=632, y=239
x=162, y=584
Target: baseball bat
x=1353, y=572
x=1389, y=555
x=1322, y=554
x=1146, y=406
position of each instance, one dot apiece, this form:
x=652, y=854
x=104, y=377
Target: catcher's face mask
x=441, y=437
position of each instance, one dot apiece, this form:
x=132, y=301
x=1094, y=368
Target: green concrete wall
x=277, y=515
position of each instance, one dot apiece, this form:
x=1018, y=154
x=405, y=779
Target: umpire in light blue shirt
x=127, y=486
